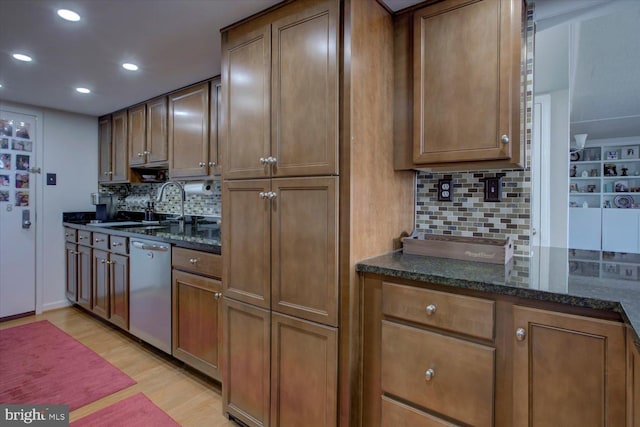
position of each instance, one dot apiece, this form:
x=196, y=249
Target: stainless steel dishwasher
x=150, y=292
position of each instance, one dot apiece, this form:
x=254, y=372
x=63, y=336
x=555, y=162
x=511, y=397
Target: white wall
x=559, y=176
x=70, y=150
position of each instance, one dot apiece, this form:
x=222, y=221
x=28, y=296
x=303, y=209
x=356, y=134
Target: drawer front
x=396, y=414
x=447, y=375
x=119, y=245
x=70, y=234
x=84, y=237
x=457, y=313
x=197, y=262
x=101, y=241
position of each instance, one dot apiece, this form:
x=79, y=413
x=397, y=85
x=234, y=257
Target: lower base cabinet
x=541, y=368
x=279, y=370
x=196, y=321
x=119, y=290
x=567, y=370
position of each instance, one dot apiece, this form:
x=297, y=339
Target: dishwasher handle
x=148, y=247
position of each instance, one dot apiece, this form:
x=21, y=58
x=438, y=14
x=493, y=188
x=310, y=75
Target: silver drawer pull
x=193, y=261
x=114, y=244
x=82, y=237
x=521, y=334
x=103, y=261
x=429, y=374
x=217, y=295
x=431, y=309
x=98, y=240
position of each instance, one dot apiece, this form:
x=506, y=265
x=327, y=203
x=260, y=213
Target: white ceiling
x=175, y=43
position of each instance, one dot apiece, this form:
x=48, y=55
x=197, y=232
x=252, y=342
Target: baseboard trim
x=56, y=304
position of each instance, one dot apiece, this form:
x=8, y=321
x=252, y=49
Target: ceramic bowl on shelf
x=623, y=201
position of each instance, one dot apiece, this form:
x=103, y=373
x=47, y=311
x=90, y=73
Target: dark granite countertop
x=591, y=279
x=201, y=237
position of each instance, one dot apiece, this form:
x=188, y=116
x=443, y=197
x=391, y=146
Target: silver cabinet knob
x=521, y=334
x=67, y=235
x=193, y=261
x=217, y=295
x=146, y=152
x=504, y=139
x=82, y=237
x=98, y=240
x=429, y=374
x=271, y=195
x=139, y=154
x=262, y=195
x=103, y=261
x=272, y=160
x=114, y=244
x=431, y=309
x=202, y=164
x=212, y=164
x=263, y=161
x=111, y=262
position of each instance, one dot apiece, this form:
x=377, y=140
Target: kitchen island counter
x=607, y=281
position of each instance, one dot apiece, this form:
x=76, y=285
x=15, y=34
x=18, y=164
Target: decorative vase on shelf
x=572, y=171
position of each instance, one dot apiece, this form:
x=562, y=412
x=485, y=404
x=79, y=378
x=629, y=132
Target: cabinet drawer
x=457, y=313
x=197, y=262
x=101, y=241
x=84, y=237
x=119, y=245
x=70, y=234
x=461, y=382
x=396, y=414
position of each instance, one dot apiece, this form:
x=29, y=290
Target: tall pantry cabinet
x=308, y=190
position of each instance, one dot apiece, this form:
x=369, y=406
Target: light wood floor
x=188, y=397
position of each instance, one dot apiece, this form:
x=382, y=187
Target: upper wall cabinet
x=462, y=82
x=189, y=132
x=215, y=108
x=280, y=90
x=112, y=142
x=148, y=133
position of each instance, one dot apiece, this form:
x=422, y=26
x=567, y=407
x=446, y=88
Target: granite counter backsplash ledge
x=518, y=278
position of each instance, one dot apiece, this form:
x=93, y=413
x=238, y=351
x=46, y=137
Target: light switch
x=445, y=190
x=493, y=189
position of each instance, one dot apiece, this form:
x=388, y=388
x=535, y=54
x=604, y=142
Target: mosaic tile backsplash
x=469, y=215
x=134, y=198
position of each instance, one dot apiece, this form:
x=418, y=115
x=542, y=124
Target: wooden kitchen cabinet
x=84, y=276
x=136, y=127
x=71, y=271
x=247, y=354
x=462, y=82
x=304, y=373
x=215, y=110
x=78, y=267
x=101, y=283
x=633, y=381
x=196, y=314
x=113, y=164
x=189, y=132
x=284, y=233
x=567, y=370
x=148, y=133
x=119, y=290
x=269, y=75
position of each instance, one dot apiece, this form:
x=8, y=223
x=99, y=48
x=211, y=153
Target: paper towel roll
x=204, y=188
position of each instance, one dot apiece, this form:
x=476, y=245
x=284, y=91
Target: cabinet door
x=215, y=156
x=137, y=138
x=585, y=227
x=246, y=242
x=304, y=363
x=467, y=81
x=567, y=370
x=246, y=126
x=119, y=152
x=189, y=131
x=104, y=149
x=119, y=290
x=84, y=276
x=246, y=377
x=304, y=224
x=304, y=101
x=101, y=283
x=633, y=382
x=620, y=230
x=157, y=151
x=71, y=271
x=196, y=321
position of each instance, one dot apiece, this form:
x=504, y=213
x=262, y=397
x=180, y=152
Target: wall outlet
x=51, y=179
x=445, y=190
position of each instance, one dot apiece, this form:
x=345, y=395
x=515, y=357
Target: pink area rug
x=42, y=365
x=134, y=411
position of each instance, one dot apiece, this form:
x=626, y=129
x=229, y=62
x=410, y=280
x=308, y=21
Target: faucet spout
x=183, y=198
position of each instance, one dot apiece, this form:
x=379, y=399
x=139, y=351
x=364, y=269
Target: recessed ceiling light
x=22, y=57
x=83, y=90
x=129, y=66
x=0, y=84
x=69, y=15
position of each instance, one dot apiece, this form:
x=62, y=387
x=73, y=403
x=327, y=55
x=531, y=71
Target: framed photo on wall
x=630, y=152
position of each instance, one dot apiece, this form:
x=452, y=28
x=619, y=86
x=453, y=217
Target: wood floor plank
x=187, y=396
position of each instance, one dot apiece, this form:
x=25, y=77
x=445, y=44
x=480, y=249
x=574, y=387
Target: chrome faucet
x=183, y=198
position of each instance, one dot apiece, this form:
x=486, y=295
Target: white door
x=17, y=213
